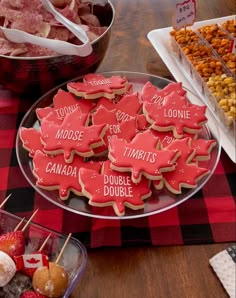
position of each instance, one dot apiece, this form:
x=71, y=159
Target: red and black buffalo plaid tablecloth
x=208, y=217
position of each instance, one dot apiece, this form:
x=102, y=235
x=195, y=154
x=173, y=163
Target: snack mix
x=211, y=62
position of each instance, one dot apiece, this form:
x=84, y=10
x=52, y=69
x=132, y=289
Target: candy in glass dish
x=72, y=256
x=155, y=200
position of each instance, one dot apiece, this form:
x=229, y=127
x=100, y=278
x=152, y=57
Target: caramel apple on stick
x=54, y=274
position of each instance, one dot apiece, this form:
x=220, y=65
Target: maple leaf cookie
x=118, y=97
x=142, y=123
x=186, y=173
x=52, y=172
x=203, y=148
x=111, y=188
x=31, y=140
x=167, y=137
x=72, y=136
x=152, y=94
x=96, y=85
x=142, y=157
x=64, y=103
x=123, y=130
x=127, y=108
x=176, y=115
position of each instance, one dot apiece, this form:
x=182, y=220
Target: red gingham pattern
x=208, y=217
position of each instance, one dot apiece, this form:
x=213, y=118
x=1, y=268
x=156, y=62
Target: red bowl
x=37, y=75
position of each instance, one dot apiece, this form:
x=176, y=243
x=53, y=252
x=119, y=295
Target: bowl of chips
x=31, y=69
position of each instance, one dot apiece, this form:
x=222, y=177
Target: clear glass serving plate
x=160, y=200
x=73, y=258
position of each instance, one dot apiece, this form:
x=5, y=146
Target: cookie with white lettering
x=111, y=188
x=96, y=85
x=176, y=115
x=186, y=174
x=53, y=173
x=167, y=137
x=124, y=130
x=142, y=156
x=203, y=147
x=64, y=103
x=72, y=136
x=127, y=108
x=31, y=140
x=150, y=93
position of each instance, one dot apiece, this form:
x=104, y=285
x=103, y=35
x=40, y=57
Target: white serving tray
x=160, y=39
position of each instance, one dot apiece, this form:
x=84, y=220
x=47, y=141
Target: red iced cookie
x=203, y=148
x=54, y=173
x=186, y=173
x=167, y=137
x=127, y=108
x=152, y=94
x=64, y=103
x=111, y=188
x=96, y=85
x=30, y=138
x=142, y=122
x=124, y=130
x=142, y=157
x=118, y=97
x=176, y=87
x=175, y=114
x=72, y=136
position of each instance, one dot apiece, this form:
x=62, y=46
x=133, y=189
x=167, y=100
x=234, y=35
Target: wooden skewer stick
x=28, y=222
x=44, y=243
x=63, y=248
x=19, y=224
x=2, y=204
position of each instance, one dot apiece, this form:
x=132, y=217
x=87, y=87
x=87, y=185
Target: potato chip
x=90, y=19
x=11, y=49
x=31, y=17
x=28, y=24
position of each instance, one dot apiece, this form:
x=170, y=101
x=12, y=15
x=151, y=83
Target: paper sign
x=185, y=14
x=232, y=47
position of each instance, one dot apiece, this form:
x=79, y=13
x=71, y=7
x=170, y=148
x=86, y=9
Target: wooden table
x=166, y=272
